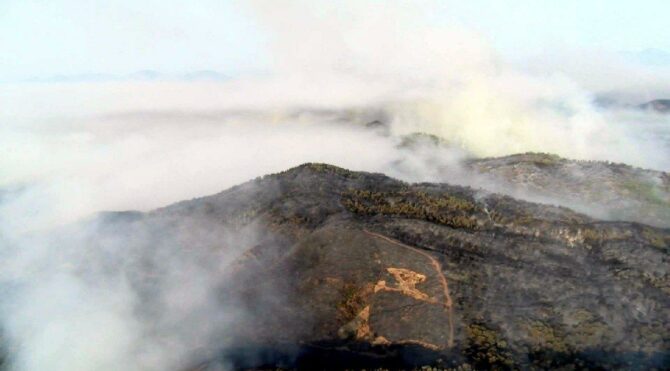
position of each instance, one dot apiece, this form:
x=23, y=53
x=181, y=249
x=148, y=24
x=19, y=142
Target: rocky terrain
x=358, y=270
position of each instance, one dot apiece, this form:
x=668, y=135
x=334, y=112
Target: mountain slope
x=608, y=190
x=351, y=269
x=604, y=190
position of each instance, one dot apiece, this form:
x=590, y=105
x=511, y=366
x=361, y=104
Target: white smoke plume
x=68, y=151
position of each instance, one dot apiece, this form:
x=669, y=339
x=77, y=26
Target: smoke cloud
x=71, y=293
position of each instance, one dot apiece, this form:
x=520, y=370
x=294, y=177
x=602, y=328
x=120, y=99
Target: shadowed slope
x=361, y=270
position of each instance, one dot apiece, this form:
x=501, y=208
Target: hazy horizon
x=135, y=105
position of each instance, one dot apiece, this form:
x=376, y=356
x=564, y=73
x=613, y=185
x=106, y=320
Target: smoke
x=111, y=293
x=73, y=296
x=446, y=80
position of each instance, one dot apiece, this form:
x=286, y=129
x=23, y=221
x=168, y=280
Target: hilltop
x=353, y=269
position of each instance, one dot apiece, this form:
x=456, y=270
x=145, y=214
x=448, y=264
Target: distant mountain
x=85, y=77
x=605, y=190
x=657, y=105
x=144, y=75
x=609, y=190
x=359, y=270
x=205, y=75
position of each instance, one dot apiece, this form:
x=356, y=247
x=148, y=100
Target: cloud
x=70, y=150
x=447, y=80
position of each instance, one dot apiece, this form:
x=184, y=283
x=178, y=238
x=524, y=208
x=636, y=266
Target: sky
x=534, y=25
x=42, y=38
x=312, y=74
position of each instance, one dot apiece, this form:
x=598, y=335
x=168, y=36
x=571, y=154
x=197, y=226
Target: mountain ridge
x=350, y=257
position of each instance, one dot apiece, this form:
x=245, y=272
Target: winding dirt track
x=448, y=305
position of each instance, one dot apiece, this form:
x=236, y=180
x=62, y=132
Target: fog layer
x=68, y=151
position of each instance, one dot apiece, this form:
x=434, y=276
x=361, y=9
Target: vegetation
x=596, y=235
x=655, y=239
x=506, y=210
x=647, y=192
x=544, y=336
x=543, y=159
x=486, y=349
x=327, y=169
x=352, y=302
x=446, y=210
x=504, y=218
